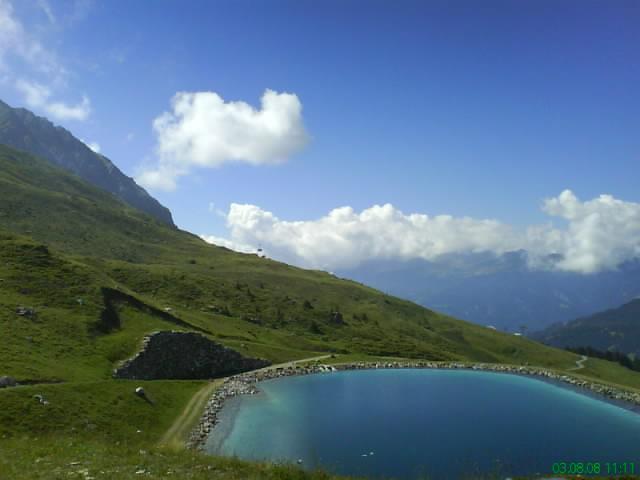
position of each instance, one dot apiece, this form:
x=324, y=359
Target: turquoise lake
x=424, y=423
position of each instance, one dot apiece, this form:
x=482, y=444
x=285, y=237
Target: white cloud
x=21, y=51
x=600, y=234
x=345, y=238
x=37, y=96
x=160, y=179
x=95, y=146
x=17, y=43
x=10, y=29
x=223, y=242
x=203, y=130
x=12, y=35
x=62, y=111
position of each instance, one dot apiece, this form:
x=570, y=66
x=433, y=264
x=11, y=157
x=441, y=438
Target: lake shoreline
x=246, y=384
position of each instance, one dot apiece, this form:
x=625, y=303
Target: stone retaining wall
x=184, y=356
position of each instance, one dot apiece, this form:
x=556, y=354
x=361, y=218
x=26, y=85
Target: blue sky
x=467, y=108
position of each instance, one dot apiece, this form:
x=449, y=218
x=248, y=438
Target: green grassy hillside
x=66, y=247
x=261, y=306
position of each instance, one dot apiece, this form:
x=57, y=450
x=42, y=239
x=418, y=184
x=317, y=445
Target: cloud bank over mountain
x=595, y=235
x=203, y=130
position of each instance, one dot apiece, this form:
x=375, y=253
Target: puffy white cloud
x=203, y=130
x=37, y=96
x=600, y=234
x=345, y=238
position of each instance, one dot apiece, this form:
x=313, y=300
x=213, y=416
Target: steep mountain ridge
x=21, y=129
x=614, y=329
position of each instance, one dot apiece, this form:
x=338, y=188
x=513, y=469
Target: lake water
x=425, y=423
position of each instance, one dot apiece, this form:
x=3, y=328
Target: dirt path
x=177, y=434
x=579, y=363
x=294, y=362
x=179, y=430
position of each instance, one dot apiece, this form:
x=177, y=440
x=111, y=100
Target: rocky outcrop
x=184, y=356
x=6, y=381
x=26, y=312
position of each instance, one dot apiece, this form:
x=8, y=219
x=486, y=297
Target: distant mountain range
x=21, y=129
x=616, y=329
x=501, y=290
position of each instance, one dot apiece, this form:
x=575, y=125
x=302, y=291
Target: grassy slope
x=95, y=240
x=62, y=241
x=61, y=342
x=103, y=429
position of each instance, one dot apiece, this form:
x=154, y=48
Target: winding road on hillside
x=179, y=431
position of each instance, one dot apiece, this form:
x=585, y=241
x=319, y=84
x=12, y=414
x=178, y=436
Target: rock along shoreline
x=245, y=384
